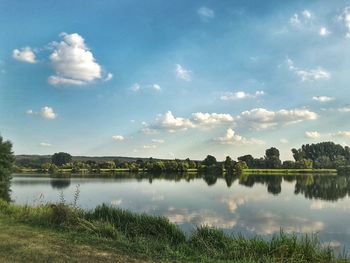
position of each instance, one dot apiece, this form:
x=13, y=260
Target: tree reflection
x=60, y=183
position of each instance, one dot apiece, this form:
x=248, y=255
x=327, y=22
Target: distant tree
x=304, y=164
x=297, y=154
x=314, y=151
x=108, y=165
x=248, y=159
x=61, y=158
x=288, y=165
x=53, y=169
x=240, y=166
x=228, y=164
x=323, y=162
x=6, y=160
x=209, y=161
x=272, y=157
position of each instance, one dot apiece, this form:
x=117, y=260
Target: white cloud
x=260, y=118
x=294, y=20
x=345, y=17
x=324, y=32
x=322, y=98
x=158, y=141
x=118, y=138
x=183, y=73
x=30, y=112
x=45, y=144
x=299, y=19
x=135, y=87
x=312, y=135
x=48, y=113
x=208, y=119
x=231, y=137
x=25, y=54
x=108, y=77
x=307, y=14
x=156, y=87
x=308, y=74
x=206, y=13
x=345, y=134
x=240, y=95
x=344, y=109
x=73, y=62
x=171, y=123
x=257, y=118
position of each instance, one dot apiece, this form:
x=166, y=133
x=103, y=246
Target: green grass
x=60, y=233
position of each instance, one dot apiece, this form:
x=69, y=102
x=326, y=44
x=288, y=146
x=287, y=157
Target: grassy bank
x=108, y=234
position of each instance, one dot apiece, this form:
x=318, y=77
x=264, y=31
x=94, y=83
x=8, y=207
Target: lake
x=261, y=204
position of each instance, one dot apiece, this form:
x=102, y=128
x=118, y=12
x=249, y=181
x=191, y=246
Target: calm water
x=248, y=205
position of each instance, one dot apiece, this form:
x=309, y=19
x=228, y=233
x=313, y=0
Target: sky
x=173, y=79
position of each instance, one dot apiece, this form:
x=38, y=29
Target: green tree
x=240, y=166
x=272, y=157
x=248, y=159
x=210, y=160
x=61, y=158
x=6, y=160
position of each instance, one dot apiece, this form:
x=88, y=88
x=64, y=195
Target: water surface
x=249, y=205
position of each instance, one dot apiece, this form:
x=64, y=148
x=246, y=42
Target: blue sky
x=155, y=78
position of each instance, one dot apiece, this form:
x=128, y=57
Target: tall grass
x=158, y=238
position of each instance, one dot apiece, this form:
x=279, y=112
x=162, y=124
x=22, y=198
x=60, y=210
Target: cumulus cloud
x=323, y=98
x=118, y=138
x=48, y=113
x=183, y=73
x=73, y=62
x=45, y=144
x=312, y=135
x=308, y=74
x=205, y=13
x=261, y=118
x=25, y=54
x=257, y=118
x=238, y=95
x=232, y=138
x=172, y=124
x=324, y=32
x=208, y=119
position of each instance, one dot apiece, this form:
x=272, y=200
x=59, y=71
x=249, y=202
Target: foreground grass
x=61, y=233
